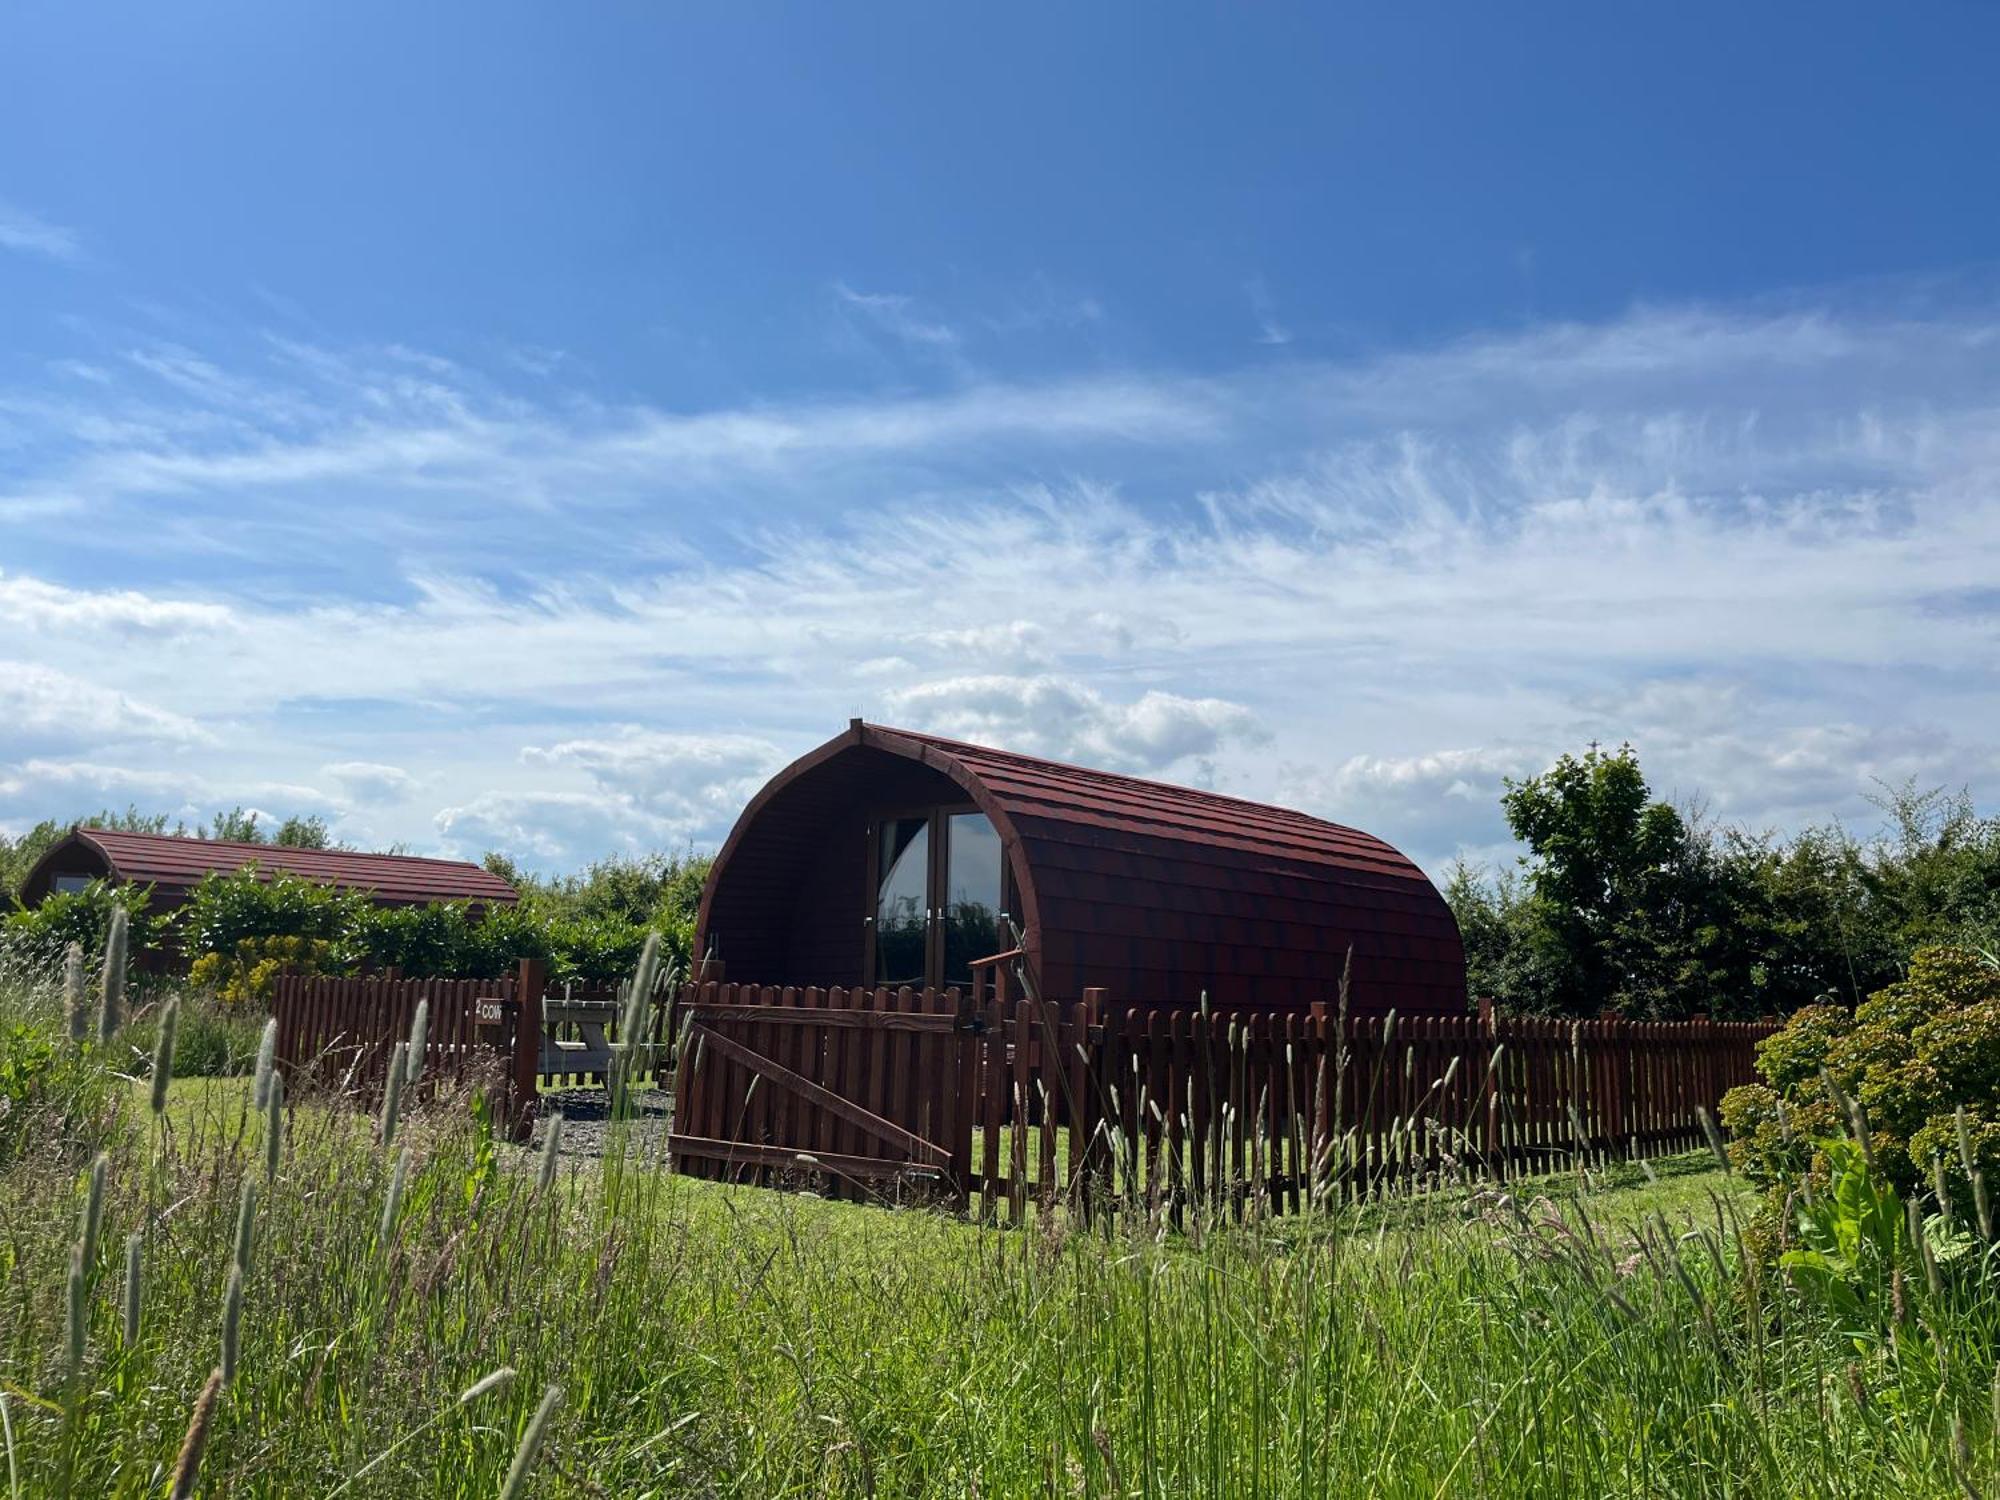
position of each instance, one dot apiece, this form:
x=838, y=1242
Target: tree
x=307, y=832
x=236, y=827
x=1598, y=850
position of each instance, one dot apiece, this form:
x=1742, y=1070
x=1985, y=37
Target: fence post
x=527, y=1069
x=1489, y=1145
x=1093, y=1167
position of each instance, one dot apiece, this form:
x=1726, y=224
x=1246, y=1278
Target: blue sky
x=525, y=427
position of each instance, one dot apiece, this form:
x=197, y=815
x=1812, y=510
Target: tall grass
x=362, y=1301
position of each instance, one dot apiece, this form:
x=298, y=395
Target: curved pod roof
x=1157, y=893
x=173, y=863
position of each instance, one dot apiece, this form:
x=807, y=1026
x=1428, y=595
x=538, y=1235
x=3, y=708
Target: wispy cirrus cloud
x=898, y=315
x=30, y=234
x=1373, y=588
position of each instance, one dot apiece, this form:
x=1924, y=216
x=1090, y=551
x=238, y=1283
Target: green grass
x=733, y=1341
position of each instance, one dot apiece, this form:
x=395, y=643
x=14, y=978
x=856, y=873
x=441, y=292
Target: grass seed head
x=392, y=1094
x=91, y=1218
x=76, y=993
x=267, y=1054
x=187, y=1467
x=232, y=1322
x=1714, y=1135
x=1932, y=1281
x=486, y=1384
x=163, y=1053
x=111, y=992
x=551, y=1151
x=1858, y=1118
x=246, y=1222
x=420, y=1027
x=274, y=1128
x=135, y=1250
x=78, y=1313
x=393, y=1201
x=531, y=1442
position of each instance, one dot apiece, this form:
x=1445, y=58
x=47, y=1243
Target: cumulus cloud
x=43, y=707
x=555, y=829
x=46, y=787
x=370, y=781
x=1067, y=720
x=683, y=781
x=33, y=604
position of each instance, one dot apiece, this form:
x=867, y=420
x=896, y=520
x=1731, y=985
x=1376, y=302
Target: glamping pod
x=887, y=857
x=172, y=865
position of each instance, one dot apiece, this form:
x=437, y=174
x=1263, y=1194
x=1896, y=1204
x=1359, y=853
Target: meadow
x=440, y=1313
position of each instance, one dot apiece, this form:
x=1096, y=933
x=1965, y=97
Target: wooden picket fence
x=994, y=1102
x=340, y=1033
x=515, y=1033
x=999, y=1105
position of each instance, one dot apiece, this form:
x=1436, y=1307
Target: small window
x=69, y=885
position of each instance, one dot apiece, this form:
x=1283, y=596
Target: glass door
x=973, y=900
x=903, y=902
x=939, y=900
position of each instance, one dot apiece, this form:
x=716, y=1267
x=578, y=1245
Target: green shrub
x=1911, y=1055
x=210, y=1040
x=34, y=939
x=1793, y=1057
x=54, y=1095
x=422, y=941
x=223, y=910
x=237, y=932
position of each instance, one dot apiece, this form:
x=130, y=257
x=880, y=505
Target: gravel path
x=585, y=1115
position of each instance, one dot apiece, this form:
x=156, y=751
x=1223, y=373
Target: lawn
x=1568, y=1336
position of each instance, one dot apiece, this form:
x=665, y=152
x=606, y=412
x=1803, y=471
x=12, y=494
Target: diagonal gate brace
x=927, y=1152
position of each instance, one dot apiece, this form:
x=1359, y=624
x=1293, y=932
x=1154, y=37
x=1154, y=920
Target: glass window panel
x=902, y=900
x=972, y=903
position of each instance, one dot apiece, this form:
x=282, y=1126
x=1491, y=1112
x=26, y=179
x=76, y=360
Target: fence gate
x=858, y=1091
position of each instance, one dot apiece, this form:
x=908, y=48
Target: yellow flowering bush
x=248, y=971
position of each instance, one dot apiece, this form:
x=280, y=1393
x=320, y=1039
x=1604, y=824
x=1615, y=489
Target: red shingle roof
x=172, y=862
x=1031, y=787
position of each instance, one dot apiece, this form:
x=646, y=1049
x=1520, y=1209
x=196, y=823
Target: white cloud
x=898, y=315
x=1269, y=330
x=77, y=786
x=43, y=707
x=686, y=781
x=1066, y=720
x=371, y=781
x=24, y=232
x=1758, y=542
x=557, y=829
x=33, y=604
x=1440, y=801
